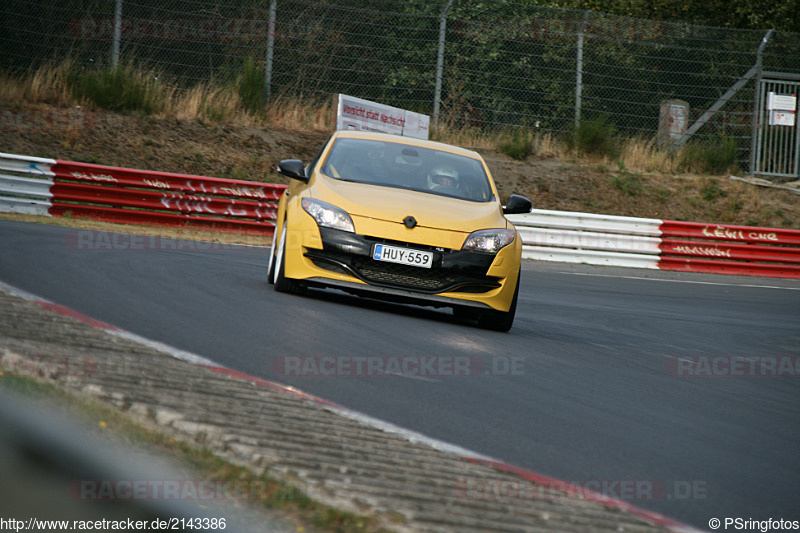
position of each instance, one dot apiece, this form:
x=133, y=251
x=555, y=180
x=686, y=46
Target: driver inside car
x=443, y=177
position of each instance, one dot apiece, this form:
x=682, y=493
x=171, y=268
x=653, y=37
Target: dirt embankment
x=251, y=153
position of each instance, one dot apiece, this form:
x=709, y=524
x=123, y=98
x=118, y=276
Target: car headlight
x=327, y=215
x=489, y=240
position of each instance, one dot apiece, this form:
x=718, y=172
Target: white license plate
x=403, y=256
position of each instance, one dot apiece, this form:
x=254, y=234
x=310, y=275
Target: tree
x=739, y=14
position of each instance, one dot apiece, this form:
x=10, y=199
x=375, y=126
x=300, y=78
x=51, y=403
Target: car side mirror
x=517, y=205
x=293, y=168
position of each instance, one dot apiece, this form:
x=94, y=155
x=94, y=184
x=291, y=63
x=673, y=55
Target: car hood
x=393, y=205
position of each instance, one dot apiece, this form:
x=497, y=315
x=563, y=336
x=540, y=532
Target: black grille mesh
x=402, y=276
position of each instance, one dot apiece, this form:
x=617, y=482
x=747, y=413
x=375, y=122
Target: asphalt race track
x=583, y=388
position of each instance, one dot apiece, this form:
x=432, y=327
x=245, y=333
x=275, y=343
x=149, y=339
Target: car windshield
x=395, y=164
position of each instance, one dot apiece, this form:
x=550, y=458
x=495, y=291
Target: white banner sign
x=357, y=114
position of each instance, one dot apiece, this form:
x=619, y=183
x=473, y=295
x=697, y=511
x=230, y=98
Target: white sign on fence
x=781, y=102
x=781, y=109
x=357, y=114
x=781, y=118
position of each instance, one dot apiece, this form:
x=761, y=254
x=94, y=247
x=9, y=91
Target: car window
x=395, y=164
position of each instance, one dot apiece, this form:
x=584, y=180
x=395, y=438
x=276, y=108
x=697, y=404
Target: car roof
x=411, y=141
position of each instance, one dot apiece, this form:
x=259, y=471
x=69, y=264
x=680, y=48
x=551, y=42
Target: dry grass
x=216, y=103
x=644, y=155
x=548, y=145
x=45, y=85
x=288, y=113
x=206, y=102
x=472, y=138
x=637, y=154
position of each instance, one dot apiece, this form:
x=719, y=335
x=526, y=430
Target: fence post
x=722, y=100
x=579, y=71
x=270, y=50
x=117, y=34
x=437, y=93
x=756, y=132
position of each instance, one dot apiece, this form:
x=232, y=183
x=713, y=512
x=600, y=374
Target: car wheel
x=271, y=262
x=500, y=320
x=282, y=283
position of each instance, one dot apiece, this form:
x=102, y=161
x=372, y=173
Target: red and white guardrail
x=659, y=244
x=56, y=188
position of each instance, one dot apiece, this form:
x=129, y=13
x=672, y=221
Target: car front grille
x=452, y=270
x=432, y=280
x=427, y=279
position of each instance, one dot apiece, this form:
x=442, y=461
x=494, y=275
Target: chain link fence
x=499, y=64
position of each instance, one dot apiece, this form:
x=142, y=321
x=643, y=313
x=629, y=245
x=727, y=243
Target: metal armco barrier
x=659, y=244
x=723, y=249
x=589, y=238
x=54, y=187
x=27, y=195
x=57, y=188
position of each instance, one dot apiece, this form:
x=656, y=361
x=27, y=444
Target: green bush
x=710, y=157
x=595, y=137
x=519, y=145
x=251, y=88
x=722, y=157
x=122, y=88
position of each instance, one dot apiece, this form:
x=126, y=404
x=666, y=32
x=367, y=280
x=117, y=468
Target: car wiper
x=367, y=182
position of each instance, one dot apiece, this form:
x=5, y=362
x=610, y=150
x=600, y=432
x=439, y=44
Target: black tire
x=271, y=262
x=500, y=320
x=282, y=283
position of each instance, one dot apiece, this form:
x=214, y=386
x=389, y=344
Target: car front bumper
x=344, y=260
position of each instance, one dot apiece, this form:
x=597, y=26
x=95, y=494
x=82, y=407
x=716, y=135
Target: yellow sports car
x=402, y=219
